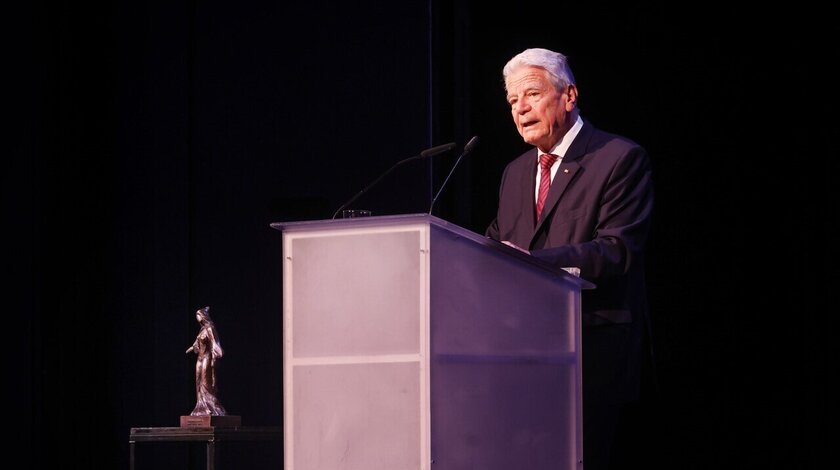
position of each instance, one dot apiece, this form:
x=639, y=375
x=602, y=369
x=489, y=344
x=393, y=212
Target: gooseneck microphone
x=467, y=149
x=429, y=152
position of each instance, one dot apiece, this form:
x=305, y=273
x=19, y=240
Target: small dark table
x=210, y=435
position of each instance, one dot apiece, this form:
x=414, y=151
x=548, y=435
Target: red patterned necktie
x=546, y=160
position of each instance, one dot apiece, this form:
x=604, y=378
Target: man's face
x=542, y=114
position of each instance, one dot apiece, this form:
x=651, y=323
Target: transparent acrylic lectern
x=412, y=343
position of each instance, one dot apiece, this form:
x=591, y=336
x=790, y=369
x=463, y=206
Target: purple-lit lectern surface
x=412, y=343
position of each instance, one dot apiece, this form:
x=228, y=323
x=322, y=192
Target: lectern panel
x=356, y=294
x=357, y=416
x=355, y=341
x=498, y=414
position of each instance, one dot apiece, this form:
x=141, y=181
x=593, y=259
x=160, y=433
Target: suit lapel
x=569, y=167
x=529, y=183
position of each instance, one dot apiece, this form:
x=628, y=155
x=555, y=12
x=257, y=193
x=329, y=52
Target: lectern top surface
x=402, y=219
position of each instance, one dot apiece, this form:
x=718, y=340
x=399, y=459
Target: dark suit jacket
x=597, y=217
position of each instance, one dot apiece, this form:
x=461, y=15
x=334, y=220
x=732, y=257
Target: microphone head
x=468, y=148
x=437, y=150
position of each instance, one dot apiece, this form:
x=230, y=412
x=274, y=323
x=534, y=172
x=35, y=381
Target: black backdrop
x=150, y=146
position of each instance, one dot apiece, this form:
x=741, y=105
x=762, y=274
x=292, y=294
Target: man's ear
x=571, y=93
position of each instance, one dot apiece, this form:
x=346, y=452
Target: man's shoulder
x=607, y=151
x=604, y=139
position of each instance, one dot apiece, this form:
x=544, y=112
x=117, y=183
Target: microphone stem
x=440, y=190
x=372, y=183
x=430, y=152
x=467, y=149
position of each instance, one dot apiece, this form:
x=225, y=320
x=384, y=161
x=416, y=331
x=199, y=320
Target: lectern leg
x=211, y=455
x=131, y=455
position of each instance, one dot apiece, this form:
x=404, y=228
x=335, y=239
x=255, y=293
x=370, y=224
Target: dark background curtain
x=151, y=144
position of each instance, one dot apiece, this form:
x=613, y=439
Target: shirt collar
x=562, y=146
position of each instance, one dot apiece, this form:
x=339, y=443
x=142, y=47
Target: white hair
x=552, y=62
